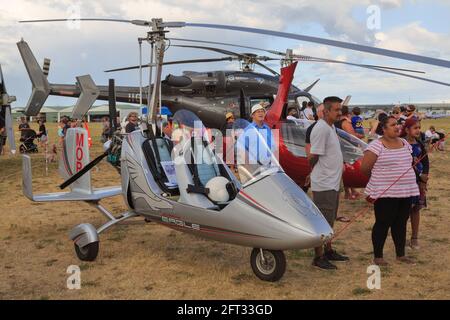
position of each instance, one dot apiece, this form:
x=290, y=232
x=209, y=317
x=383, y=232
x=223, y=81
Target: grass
x=361, y=291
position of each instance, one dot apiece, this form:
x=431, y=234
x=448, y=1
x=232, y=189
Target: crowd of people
x=395, y=161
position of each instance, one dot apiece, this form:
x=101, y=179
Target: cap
x=229, y=115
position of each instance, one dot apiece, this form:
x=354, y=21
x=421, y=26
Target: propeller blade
x=85, y=169
x=174, y=62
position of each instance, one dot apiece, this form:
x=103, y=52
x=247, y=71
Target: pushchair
x=28, y=145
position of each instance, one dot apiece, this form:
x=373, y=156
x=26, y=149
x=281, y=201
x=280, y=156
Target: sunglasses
x=396, y=112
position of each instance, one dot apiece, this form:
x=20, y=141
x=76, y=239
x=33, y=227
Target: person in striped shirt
x=391, y=186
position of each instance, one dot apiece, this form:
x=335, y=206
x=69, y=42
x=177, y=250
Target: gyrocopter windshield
x=255, y=152
x=186, y=125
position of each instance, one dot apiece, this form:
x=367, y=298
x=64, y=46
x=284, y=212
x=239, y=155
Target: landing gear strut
x=85, y=235
x=268, y=265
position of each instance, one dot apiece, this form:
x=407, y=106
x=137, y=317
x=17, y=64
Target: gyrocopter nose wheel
x=268, y=265
x=87, y=253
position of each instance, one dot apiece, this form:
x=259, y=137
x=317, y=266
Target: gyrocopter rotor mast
x=156, y=39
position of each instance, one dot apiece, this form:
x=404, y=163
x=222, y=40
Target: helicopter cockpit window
x=294, y=138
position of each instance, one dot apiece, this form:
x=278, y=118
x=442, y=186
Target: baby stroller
x=28, y=145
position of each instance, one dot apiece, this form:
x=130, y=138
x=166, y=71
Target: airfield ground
x=148, y=261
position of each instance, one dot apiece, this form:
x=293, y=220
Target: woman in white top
x=392, y=185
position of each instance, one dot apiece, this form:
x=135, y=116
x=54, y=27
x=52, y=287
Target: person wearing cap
x=258, y=113
x=229, y=118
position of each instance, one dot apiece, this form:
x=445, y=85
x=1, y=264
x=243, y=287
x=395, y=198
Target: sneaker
x=323, y=263
x=334, y=256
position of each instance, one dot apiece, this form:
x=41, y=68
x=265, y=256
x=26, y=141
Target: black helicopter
x=209, y=94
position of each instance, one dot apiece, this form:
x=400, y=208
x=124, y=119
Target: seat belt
x=197, y=187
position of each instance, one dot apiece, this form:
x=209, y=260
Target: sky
x=419, y=27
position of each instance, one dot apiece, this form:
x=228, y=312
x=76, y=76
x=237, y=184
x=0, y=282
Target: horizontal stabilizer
x=94, y=195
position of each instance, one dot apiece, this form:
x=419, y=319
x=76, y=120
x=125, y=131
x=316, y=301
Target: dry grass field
x=148, y=261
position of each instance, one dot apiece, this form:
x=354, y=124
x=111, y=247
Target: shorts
x=328, y=204
x=419, y=202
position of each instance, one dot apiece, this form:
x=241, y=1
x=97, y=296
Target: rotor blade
x=409, y=76
x=328, y=42
x=230, y=53
x=267, y=68
x=326, y=60
x=307, y=89
x=85, y=169
x=230, y=44
x=284, y=54
x=333, y=43
x=174, y=62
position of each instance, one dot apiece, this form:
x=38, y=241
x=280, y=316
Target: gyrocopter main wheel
x=270, y=266
x=87, y=253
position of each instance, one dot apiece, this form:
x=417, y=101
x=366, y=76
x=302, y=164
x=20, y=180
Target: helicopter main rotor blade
x=230, y=53
x=287, y=35
x=329, y=42
x=230, y=44
x=174, y=62
x=267, y=68
x=409, y=76
x=239, y=55
x=284, y=54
